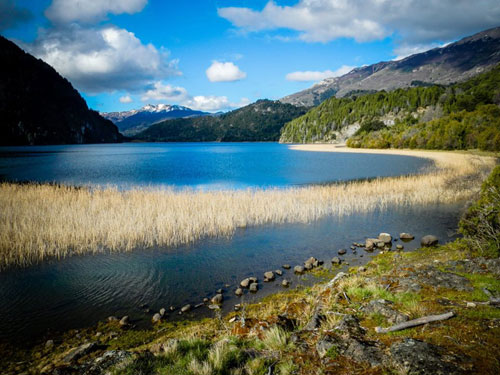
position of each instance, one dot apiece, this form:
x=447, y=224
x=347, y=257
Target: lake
x=39, y=301
x=195, y=165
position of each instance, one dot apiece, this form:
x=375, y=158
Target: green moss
x=333, y=352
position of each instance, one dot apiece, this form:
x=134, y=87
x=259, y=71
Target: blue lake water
x=39, y=301
x=195, y=165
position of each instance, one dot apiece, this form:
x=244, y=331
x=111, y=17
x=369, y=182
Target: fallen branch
x=415, y=322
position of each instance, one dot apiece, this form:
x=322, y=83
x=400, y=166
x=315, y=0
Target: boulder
x=380, y=244
x=185, y=308
x=219, y=291
x=336, y=260
x=125, y=321
x=308, y=266
x=252, y=279
x=415, y=357
x=163, y=312
x=399, y=247
x=238, y=292
x=76, y=353
x=429, y=240
x=217, y=299
x=269, y=276
x=384, y=308
x=245, y=283
x=406, y=236
x=172, y=308
x=112, y=319
x=285, y=283
x=370, y=243
x=254, y=287
x=298, y=269
x=287, y=266
x=342, y=251
x=278, y=272
x=385, y=238
x=156, y=318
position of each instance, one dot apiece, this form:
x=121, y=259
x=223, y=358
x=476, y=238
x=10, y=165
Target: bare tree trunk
x=415, y=322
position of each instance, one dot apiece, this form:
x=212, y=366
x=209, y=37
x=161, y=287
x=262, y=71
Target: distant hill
x=137, y=120
x=259, y=121
x=38, y=106
x=465, y=115
x=456, y=62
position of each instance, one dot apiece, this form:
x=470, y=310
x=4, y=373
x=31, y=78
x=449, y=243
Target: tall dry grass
x=44, y=221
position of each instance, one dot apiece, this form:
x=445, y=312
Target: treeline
x=260, y=121
x=463, y=115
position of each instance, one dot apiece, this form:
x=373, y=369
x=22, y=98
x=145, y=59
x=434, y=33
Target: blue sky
x=123, y=54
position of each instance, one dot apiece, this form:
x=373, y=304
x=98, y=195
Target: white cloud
x=318, y=76
x=102, y=59
x=211, y=103
x=412, y=21
x=224, y=72
x=126, y=99
x=165, y=92
x=65, y=11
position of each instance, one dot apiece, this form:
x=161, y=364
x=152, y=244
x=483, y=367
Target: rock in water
x=254, y=287
x=238, y=292
x=186, y=308
x=217, y=299
x=385, y=238
x=269, y=276
x=429, y=240
x=287, y=266
x=278, y=272
x=342, y=251
x=156, y=318
x=298, y=269
x=406, y=236
x=162, y=311
x=336, y=260
x=245, y=283
x=285, y=283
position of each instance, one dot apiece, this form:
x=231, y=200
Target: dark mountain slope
x=455, y=62
x=38, y=106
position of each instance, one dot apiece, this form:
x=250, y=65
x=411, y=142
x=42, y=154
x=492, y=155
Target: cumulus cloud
x=102, y=59
x=165, y=92
x=318, y=76
x=168, y=93
x=11, y=15
x=126, y=99
x=224, y=72
x=366, y=20
x=65, y=11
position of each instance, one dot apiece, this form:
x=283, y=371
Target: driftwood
x=415, y=322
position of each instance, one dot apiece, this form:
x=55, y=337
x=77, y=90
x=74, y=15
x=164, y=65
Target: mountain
x=137, y=120
x=259, y=121
x=455, y=62
x=460, y=116
x=38, y=106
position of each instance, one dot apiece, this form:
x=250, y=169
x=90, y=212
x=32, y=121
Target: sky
x=217, y=55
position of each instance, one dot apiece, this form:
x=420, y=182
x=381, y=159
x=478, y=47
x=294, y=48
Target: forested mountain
x=460, y=116
x=259, y=121
x=453, y=63
x=38, y=106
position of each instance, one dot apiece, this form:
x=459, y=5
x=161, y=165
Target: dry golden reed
x=47, y=221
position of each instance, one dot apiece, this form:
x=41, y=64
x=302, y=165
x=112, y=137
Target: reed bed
x=40, y=221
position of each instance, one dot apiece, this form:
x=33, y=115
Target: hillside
x=460, y=116
x=455, y=62
x=38, y=106
x=137, y=120
x=259, y=121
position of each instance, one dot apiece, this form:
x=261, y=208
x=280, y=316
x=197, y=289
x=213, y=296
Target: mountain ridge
x=136, y=120
x=455, y=62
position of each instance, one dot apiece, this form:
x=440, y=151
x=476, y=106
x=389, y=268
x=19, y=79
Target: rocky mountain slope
x=455, y=62
x=259, y=121
x=38, y=106
x=137, y=120
x=460, y=116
